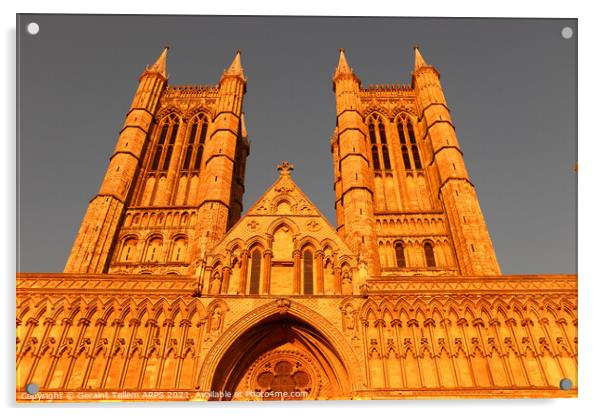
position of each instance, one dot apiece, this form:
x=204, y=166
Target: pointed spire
x=419, y=62
x=235, y=67
x=343, y=66
x=161, y=65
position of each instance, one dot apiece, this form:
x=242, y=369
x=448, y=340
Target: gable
x=283, y=206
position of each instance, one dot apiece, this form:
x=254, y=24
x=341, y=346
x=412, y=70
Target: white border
x=589, y=180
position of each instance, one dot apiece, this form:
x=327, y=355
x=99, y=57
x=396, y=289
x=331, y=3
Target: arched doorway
x=281, y=358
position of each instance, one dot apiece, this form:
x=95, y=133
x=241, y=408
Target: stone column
x=227, y=270
x=244, y=263
x=320, y=272
x=296, y=271
x=267, y=270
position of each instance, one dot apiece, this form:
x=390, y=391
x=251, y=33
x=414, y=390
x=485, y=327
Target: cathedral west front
x=173, y=292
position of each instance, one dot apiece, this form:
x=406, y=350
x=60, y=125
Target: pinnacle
x=160, y=65
x=235, y=67
x=419, y=62
x=343, y=66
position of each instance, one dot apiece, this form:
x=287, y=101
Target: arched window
x=128, y=251
x=196, y=143
x=372, y=133
x=400, y=258
x=378, y=140
x=153, y=251
x=402, y=136
x=255, y=272
x=386, y=160
x=406, y=158
x=381, y=132
x=413, y=145
x=308, y=272
x=416, y=157
x=163, y=151
x=375, y=159
x=429, y=254
x=411, y=133
x=178, y=253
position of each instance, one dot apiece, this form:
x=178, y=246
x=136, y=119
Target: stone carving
x=373, y=349
x=216, y=283
x=313, y=225
x=252, y=224
x=283, y=305
x=346, y=283
x=216, y=320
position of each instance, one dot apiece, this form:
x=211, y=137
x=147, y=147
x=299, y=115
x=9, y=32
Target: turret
x=227, y=149
x=93, y=245
x=474, y=249
x=354, y=182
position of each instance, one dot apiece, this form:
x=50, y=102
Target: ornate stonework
x=170, y=293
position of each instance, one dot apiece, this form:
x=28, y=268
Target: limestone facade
x=170, y=293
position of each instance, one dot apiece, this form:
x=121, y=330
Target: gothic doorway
x=281, y=358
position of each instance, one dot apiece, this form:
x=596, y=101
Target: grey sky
x=510, y=83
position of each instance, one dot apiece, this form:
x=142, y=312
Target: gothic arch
x=404, y=112
x=236, y=243
x=345, y=261
x=195, y=308
x=216, y=360
x=376, y=111
x=90, y=309
x=216, y=262
x=166, y=112
x=329, y=243
x=257, y=242
x=308, y=242
x=198, y=111
x=274, y=225
x=159, y=308
x=176, y=307
x=107, y=310
x=405, y=115
x=142, y=309
x=368, y=307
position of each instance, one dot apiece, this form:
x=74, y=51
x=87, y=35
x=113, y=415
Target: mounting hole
x=33, y=28
x=566, y=384
x=566, y=32
x=32, y=388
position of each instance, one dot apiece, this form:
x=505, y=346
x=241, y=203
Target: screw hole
x=33, y=28
x=566, y=384
x=567, y=32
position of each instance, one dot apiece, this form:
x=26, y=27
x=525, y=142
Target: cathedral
x=170, y=292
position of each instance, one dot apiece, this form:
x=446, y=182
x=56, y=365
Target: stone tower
x=174, y=183
x=403, y=194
